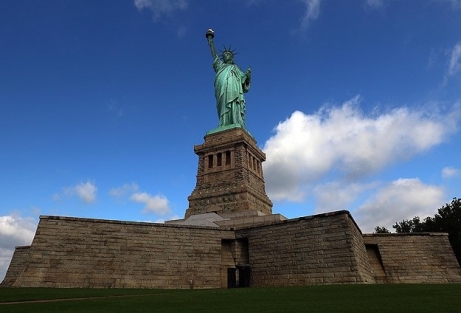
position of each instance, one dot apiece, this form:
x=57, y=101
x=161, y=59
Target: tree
x=447, y=220
x=410, y=226
x=381, y=230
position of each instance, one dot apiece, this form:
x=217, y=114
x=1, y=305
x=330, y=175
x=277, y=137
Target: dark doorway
x=244, y=275
x=231, y=278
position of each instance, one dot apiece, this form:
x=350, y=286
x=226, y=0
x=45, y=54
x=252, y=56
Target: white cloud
x=375, y=4
x=153, y=204
x=124, y=190
x=14, y=231
x=455, y=3
x=449, y=172
x=454, y=65
x=161, y=7
x=401, y=199
x=162, y=220
x=311, y=14
x=85, y=191
x=338, y=195
x=158, y=204
x=5, y=259
x=343, y=142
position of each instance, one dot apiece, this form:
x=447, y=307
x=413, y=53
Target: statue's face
x=228, y=57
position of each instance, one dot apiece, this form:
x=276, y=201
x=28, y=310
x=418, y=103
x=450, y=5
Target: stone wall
x=234, y=254
x=320, y=249
x=74, y=252
x=413, y=258
x=18, y=263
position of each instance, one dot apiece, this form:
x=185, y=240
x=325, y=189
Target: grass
x=335, y=298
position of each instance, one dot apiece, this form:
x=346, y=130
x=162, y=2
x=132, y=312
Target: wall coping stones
x=404, y=234
x=22, y=247
x=104, y=221
x=308, y=217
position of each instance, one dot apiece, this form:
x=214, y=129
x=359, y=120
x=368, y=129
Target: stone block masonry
x=320, y=249
x=18, y=263
x=74, y=252
x=412, y=258
x=229, y=175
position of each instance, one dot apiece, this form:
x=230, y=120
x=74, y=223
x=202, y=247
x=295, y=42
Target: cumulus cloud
x=454, y=65
x=124, y=190
x=84, y=191
x=343, y=142
x=158, y=204
x=14, y=231
x=399, y=200
x=338, y=195
x=449, y=172
x=161, y=7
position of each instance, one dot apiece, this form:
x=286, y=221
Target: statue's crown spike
x=228, y=49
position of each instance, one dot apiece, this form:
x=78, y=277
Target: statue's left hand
x=248, y=73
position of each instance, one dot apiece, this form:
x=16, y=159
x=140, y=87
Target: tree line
x=446, y=220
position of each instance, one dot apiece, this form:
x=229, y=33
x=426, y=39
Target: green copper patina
x=230, y=84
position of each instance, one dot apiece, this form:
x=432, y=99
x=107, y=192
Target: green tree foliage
x=447, y=220
x=411, y=226
x=381, y=230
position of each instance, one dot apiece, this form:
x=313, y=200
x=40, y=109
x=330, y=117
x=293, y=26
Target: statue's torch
x=210, y=33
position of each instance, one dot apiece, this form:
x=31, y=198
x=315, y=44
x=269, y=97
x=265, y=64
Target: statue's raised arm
x=209, y=37
x=230, y=84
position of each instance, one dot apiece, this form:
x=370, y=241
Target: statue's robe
x=230, y=84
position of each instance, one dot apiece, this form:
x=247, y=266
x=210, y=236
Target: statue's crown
x=228, y=50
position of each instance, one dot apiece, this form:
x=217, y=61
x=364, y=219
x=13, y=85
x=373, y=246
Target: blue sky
x=357, y=105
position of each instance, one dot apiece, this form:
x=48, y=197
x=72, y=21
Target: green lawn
x=336, y=298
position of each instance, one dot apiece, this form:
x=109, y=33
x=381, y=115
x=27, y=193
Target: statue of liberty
x=230, y=84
